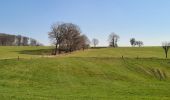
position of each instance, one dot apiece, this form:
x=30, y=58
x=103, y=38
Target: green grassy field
x=145, y=52
x=7, y=52
x=94, y=74
x=28, y=52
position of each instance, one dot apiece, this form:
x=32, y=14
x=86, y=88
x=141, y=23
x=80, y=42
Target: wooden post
x=18, y=58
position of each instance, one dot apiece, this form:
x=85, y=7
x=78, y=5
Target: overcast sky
x=145, y=20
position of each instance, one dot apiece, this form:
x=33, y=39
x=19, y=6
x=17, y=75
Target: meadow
x=94, y=74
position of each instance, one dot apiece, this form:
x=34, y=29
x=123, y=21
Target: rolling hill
x=94, y=74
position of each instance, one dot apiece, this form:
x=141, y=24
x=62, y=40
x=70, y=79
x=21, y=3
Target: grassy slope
x=89, y=75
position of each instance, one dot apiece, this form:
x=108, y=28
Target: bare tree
x=84, y=42
x=113, y=39
x=95, y=42
x=56, y=36
x=132, y=41
x=166, y=46
x=71, y=36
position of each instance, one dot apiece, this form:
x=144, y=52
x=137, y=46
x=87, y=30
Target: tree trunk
x=166, y=52
x=56, y=49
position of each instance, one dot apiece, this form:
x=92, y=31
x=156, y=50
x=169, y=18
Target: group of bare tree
x=133, y=42
x=17, y=40
x=67, y=37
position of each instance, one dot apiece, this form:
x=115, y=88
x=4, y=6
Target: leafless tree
x=95, y=42
x=166, y=46
x=56, y=35
x=71, y=36
x=84, y=42
x=113, y=39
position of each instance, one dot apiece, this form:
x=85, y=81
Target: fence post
x=18, y=58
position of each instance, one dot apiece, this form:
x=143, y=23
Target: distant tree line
x=67, y=37
x=17, y=40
